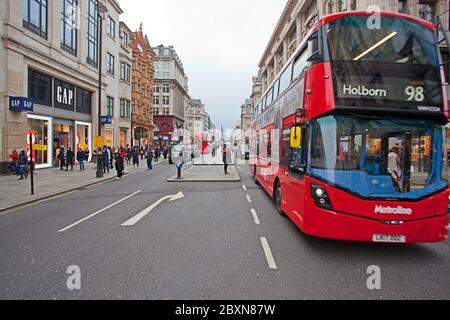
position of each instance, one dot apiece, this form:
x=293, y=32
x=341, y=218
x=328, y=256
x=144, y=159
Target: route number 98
x=415, y=93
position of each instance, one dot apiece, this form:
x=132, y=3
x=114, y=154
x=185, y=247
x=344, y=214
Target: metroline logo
x=390, y=210
x=363, y=91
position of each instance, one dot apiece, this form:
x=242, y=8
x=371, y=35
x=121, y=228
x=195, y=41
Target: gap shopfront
x=62, y=118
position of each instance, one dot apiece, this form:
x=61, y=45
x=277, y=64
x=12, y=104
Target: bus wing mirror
x=296, y=137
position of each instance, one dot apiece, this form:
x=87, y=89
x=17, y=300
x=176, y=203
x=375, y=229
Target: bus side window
x=298, y=156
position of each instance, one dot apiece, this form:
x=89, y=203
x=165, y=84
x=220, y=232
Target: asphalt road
x=206, y=245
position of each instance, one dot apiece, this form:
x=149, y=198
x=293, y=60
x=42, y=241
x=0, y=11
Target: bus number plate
x=389, y=238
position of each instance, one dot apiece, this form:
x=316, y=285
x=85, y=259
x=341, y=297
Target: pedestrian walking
x=120, y=165
x=226, y=158
x=61, y=158
x=128, y=158
x=149, y=157
x=81, y=157
x=111, y=158
x=70, y=159
x=14, y=161
x=22, y=163
x=136, y=157
x=105, y=158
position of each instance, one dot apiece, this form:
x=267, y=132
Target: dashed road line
x=248, y=198
x=255, y=216
x=244, y=187
x=98, y=212
x=268, y=253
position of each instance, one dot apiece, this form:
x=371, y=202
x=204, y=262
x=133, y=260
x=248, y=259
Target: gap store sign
x=21, y=104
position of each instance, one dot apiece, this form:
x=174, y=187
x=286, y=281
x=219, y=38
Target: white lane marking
x=244, y=187
x=255, y=216
x=141, y=215
x=248, y=198
x=268, y=253
x=98, y=212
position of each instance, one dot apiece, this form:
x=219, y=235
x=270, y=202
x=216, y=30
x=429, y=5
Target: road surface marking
x=244, y=187
x=255, y=216
x=248, y=198
x=98, y=212
x=141, y=215
x=268, y=253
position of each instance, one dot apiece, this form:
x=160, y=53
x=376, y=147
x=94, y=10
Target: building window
x=427, y=10
x=156, y=100
x=353, y=5
x=40, y=88
x=122, y=71
x=125, y=39
x=110, y=106
x=166, y=88
x=110, y=63
x=128, y=109
x=69, y=26
x=128, y=72
x=342, y=5
x=34, y=16
x=166, y=111
x=84, y=101
x=166, y=100
x=111, y=27
x=125, y=72
x=156, y=89
x=92, y=36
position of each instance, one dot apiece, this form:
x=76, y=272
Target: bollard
x=179, y=167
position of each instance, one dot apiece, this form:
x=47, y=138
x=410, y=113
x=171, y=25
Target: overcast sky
x=220, y=43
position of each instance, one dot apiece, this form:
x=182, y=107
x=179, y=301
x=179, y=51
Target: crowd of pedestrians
x=112, y=158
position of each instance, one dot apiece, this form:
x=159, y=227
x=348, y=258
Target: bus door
x=397, y=147
x=295, y=159
x=265, y=153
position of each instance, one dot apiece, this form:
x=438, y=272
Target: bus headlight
x=320, y=196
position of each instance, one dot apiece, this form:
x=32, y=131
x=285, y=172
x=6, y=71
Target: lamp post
x=101, y=11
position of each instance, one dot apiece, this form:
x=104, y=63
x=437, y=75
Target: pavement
x=199, y=240
x=210, y=173
x=53, y=182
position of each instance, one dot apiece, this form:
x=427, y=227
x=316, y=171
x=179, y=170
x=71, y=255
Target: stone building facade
x=49, y=53
x=171, y=96
x=246, y=121
x=298, y=17
x=195, y=118
x=142, y=89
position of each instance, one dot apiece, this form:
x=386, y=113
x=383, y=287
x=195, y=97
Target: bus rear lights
x=320, y=196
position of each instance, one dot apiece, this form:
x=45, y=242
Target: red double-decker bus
x=348, y=140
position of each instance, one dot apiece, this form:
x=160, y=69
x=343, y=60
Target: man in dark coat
x=70, y=159
x=61, y=158
x=81, y=158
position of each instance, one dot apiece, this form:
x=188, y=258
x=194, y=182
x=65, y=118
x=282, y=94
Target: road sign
x=21, y=104
x=99, y=142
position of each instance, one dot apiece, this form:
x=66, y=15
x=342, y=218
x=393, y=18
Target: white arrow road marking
x=98, y=212
x=145, y=212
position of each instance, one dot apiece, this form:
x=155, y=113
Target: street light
x=101, y=11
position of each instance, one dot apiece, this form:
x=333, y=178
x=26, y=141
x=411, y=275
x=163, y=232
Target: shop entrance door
x=61, y=139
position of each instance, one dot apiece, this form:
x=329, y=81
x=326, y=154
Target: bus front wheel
x=278, y=196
